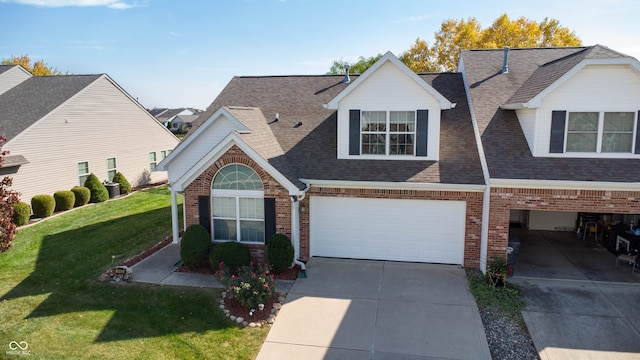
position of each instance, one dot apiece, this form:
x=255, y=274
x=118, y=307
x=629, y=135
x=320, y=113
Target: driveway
x=358, y=309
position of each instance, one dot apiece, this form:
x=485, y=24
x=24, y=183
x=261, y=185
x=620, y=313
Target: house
x=288, y=154
x=401, y=166
x=60, y=129
x=177, y=120
x=560, y=135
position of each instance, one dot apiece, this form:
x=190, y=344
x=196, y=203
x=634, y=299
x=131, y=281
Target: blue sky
x=170, y=53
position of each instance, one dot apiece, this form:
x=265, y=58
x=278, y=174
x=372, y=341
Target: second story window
x=388, y=132
x=600, y=132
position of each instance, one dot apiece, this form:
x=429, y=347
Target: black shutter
x=556, y=143
x=637, y=150
x=269, y=218
x=204, y=212
x=422, y=132
x=354, y=132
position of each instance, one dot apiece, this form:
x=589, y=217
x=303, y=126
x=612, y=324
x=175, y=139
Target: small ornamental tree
x=8, y=197
x=125, y=186
x=99, y=192
x=82, y=195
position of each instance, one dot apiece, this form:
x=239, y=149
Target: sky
x=168, y=53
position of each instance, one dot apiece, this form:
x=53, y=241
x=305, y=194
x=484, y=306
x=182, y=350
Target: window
x=152, y=161
x=163, y=154
x=83, y=172
x=237, y=204
x=111, y=168
x=601, y=132
x=388, y=132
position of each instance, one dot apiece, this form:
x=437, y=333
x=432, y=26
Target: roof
x=31, y=100
x=306, y=132
x=530, y=71
x=4, y=68
x=157, y=111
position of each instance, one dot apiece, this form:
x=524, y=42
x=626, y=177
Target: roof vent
x=505, y=62
x=346, y=74
x=276, y=119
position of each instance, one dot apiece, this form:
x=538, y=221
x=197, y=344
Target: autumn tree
x=457, y=35
x=8, y=197
x=38, y=68
x=358, y=67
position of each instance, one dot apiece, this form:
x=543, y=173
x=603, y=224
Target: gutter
x=295, y=230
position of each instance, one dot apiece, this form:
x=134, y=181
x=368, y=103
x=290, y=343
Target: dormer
x=389, y=113
x=583, y=106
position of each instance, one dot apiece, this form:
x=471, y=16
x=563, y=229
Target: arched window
x=237, y=204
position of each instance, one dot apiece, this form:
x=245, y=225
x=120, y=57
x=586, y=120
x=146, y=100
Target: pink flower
x=233, y=276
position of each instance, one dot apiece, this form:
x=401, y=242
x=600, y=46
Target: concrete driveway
x=358, y=309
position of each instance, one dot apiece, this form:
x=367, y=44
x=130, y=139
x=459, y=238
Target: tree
x=8, y=197
x=457, y=35
x=38, y=68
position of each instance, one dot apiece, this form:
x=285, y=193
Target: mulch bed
x=238, y=310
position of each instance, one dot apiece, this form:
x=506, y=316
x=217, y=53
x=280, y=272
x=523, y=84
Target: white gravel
x=506, y=338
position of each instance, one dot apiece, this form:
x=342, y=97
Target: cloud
x=111, y=4
x=412, y=19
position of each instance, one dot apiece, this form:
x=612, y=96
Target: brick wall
x=272, y=189
x=597, y=201
x=473, y=216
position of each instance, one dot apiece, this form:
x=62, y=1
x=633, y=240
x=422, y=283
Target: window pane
x=373, y=144
x=581, y=142
x=374, y=121
x=224, y=230
x=224, y=207
x=618, y=132
x=111, y=163
x=251, y=231
x=110, y=175
x=83, y=168
x=251, y=208
x=152, y=157
x=582, y=131
x=402, y=121
x=617, y=142
x=583, y=121
x=237, y=177
x=83, y=179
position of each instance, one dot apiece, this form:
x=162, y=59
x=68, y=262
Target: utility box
x=113, y=189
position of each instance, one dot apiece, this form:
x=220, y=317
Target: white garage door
x=388, y=229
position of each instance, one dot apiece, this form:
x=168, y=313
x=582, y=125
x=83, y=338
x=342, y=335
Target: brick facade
x=201, y=186
x=505, y=199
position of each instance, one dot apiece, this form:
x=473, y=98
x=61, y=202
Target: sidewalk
x=160, y=268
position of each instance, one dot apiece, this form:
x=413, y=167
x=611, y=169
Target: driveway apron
x=360, y=309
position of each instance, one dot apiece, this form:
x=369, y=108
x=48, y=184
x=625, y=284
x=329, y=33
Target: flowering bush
x=498, y=270
x=253, y=285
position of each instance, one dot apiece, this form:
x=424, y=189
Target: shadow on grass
x=70, y=262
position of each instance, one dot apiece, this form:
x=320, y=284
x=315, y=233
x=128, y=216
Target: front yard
x=51, y=300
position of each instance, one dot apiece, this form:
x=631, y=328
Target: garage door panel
x=388, y=229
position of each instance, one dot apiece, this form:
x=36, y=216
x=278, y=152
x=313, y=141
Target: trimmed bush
x=125, y=186
x=43, y=205
x=82, y=195
x=280, y=252
x=21, y=213
x=233, y=254
x=65, y=199
x=195, y=245
x=99, y=193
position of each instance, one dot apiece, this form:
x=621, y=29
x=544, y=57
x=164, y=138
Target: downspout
x=295, y=229
x=486, y=199
x=175, y=227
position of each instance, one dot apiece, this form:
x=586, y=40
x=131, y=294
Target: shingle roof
x=31, y=100
x=506, y=149
x=4, y=68
x=310, y=149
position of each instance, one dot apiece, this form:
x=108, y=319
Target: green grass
x=507, y=300
x=50, y=296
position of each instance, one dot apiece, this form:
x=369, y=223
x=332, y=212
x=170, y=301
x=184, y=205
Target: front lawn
x=50, y=297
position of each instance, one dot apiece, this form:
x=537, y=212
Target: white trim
x=218, y=151
x=222, y=111
x=444, y=103
x=565, y=185
x=346, y=184
x=536, y=101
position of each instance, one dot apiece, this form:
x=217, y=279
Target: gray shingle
x=35, y=97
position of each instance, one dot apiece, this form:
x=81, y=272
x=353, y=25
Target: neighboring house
x=560, y=134
x=179, y=120
x=415, y=167
x=383, y=167
x=62, y=128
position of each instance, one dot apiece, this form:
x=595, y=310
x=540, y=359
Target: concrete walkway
x=160, y=268
x=358, y=309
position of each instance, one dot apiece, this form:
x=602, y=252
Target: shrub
x=82, y=195
x=195, y=245
x=280, y=252
x=43, y=205
x=251, y=286
x=21, y=213
x=232, y=254
x=64, y=200
x=99, y=193
x=125, y=186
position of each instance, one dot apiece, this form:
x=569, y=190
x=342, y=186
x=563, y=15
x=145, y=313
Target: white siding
x=389, y=89
x=98, y=123
x=12, y=77
x=198, y=148
x=527, y=119
x=594, y=88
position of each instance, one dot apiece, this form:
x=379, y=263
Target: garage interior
x=574, y=245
